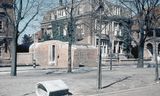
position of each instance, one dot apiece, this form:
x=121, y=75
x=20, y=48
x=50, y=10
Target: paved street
x=121, y=81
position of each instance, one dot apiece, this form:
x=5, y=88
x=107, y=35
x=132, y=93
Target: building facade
x=86, y=18
x=5, y=30
x=54, y=53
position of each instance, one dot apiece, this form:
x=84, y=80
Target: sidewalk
x=150, y=90
x=7, y=70
x=83, y=81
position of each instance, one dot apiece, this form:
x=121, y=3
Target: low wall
x=85, y=56
x=124, y=61
x=24, y=58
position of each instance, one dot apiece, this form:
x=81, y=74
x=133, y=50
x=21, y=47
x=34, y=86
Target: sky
x=34, y=25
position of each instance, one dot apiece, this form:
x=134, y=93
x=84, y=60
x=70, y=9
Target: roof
x=8, y=1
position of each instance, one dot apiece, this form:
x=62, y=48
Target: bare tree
x=144, y=17
x=71, y=12
x=24, y=11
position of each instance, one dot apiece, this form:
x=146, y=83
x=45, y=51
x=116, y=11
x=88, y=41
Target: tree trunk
x=155, y=57
x=70, y=57
x=14, y=55
x=70, y=33
x=141, y=46
x=140, y=56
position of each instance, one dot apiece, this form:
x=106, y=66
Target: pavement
x=150, y=90
x=121, y=81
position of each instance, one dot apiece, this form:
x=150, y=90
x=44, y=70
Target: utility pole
x=156, y=61
x=100, y=8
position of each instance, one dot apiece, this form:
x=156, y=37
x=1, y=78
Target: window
x=52, y=16
x=59, y=30
x=0, y=51
x=52, y=56
x=78, y=12
x=1, y=26
x=65, y=31
x=53, y=53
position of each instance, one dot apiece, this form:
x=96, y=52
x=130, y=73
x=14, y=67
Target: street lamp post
x=100, y=8
x=156, y=61
x=110, y=43
x=34, y=50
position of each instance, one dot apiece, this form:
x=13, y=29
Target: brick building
x=151, y=40
x=54, y=53
x=86, y=25
x=5, y=30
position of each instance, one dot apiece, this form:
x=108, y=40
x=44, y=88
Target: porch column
x=121, y=50
x=112, y=46
x=106, y=49
x=117, y=47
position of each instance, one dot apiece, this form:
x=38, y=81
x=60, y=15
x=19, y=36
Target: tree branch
x=29, y=21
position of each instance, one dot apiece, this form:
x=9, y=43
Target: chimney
x=60, y=2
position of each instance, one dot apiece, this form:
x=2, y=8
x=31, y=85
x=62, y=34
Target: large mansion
x=110, y=21
x=87, y=24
